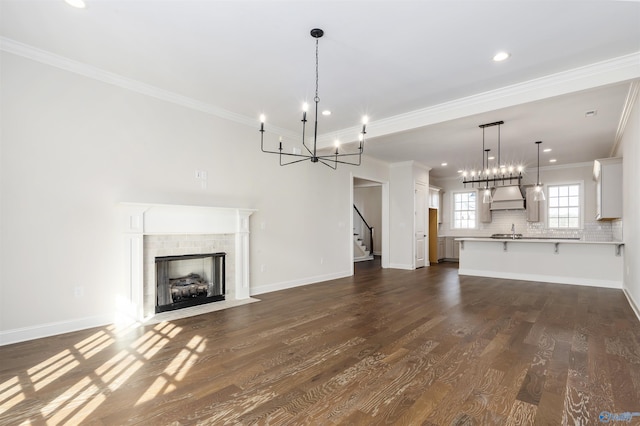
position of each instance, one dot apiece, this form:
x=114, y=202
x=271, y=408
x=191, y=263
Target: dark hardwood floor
x=382, y=347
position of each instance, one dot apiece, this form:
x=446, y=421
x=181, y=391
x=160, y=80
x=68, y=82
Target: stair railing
x=362, y=227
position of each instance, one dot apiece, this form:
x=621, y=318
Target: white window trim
x=546, y=205
x=453, y=208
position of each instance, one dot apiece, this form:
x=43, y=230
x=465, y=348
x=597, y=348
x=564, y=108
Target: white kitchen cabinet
x=435, y=201
x=452, y=248
x=441, y=248
x=434, y=197
x=607, y=173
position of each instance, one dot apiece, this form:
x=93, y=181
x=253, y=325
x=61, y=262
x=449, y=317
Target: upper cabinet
x=607, y=173
x=434, y=197
x=435, y=200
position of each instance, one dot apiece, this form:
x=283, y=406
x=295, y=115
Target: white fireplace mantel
x=140, y=219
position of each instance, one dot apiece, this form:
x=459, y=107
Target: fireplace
x=166, y=230
x=189, y=280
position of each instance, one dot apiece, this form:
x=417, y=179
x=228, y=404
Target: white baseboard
x=634, y=305
x=51, y=329
x=297, y=283
x=408, y=267
x=543, y=278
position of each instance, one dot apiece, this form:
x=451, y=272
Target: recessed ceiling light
x=443, y=164
x=546, y=150
x=326, y=112
x=492, y=158
x=553, y=160
x=501, y=56
x=80, y=4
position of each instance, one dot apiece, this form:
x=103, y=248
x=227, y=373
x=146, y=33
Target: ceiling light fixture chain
x=316, y=99
x=330, y=160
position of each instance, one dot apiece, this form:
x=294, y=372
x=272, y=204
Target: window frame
x=453, y=209
x=581, y=204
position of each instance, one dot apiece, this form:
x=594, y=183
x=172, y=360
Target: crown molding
x=632, y=97
x=611, y=71
x=616, y=70
x=588, y=164
x=61, y=62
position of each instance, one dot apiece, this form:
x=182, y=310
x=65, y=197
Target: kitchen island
x=565, y=261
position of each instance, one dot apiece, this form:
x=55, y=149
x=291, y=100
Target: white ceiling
x=421, y=70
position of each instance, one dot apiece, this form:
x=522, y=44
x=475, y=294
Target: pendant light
x=538, y=193
x=486, y=196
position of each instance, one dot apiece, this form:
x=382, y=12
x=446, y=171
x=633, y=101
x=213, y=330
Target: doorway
x=371, y=197
x=433, y=236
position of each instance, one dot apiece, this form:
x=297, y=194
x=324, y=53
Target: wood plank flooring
x=383, y=347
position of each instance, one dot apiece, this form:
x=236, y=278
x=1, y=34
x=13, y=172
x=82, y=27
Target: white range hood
x=507, y=198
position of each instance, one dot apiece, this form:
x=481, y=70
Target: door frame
x=384, y=232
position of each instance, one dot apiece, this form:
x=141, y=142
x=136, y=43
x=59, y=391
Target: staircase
x=360, y=252
x=362, y=244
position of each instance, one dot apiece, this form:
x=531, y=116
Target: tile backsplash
x=502, y=220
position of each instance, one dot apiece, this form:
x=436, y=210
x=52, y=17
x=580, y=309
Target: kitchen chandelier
x=331, y=160
x=487, y=177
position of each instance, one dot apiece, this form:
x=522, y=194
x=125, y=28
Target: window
x=564, y=206
x=464, y=210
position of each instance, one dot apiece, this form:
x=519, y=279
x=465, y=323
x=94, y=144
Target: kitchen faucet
x=513, y=231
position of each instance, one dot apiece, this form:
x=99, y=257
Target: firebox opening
x=189, y=280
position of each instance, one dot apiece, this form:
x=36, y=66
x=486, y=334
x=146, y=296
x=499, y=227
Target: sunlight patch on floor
x=81, y=397
x=182, y=363
x=175, y=371
x=10, y=394
x=52, y=369
x=94, y=344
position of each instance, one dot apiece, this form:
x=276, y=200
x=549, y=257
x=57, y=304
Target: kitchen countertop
x=536, y=240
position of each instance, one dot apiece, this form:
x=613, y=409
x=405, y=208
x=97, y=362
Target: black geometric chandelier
x=331, y=160
x=490, y=177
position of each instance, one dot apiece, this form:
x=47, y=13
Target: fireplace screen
x=189, y=280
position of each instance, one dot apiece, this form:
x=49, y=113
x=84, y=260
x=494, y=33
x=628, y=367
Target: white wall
x=73, y=147
x=403, y=177
x=401, y=215
x=629, y=149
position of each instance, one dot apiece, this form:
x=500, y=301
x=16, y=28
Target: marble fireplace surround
x=167, y=229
